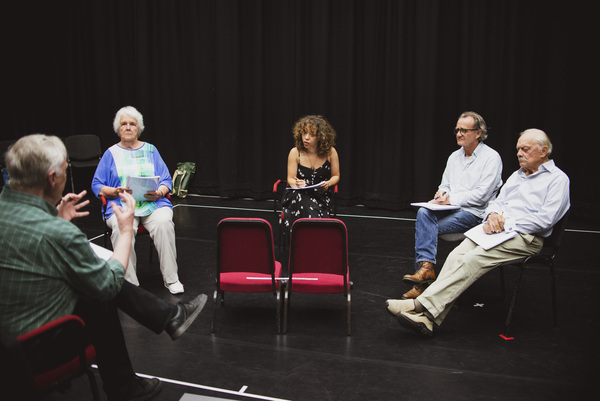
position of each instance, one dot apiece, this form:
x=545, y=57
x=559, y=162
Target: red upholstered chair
x=318, y=261
x=47, y=359
x=246, y=261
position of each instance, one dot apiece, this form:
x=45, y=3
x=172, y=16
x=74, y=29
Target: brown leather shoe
x=424, y=275
x=415, y=291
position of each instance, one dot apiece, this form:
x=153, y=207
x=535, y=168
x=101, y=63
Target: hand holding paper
x=435, y=206
x=495, y=223
x=140, y=186
x=309, y=186
x=489, y=240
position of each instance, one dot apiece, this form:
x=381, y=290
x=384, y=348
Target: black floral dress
x=312, y=202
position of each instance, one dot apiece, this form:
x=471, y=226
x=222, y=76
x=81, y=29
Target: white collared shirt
x=471, y=182
x=534, y=203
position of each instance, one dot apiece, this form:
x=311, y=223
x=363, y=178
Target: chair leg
x=349, y=307
x=93, y=384
x=285, y=308
x=278, y=309
x=214, y=314
x=553, y=290
x=514, y=299
x=71, y=175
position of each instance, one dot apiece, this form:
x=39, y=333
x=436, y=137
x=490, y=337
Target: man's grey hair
x=31, y=158
x=540, y=138
x=479, y=123
x=131, y=112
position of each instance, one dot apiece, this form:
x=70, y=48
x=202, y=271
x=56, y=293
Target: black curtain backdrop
x=221, y=82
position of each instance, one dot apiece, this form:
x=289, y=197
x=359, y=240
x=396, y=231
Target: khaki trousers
x=465, y=265
x=161, y=228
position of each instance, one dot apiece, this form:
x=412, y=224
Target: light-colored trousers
x=465, y=265
x=161, y=228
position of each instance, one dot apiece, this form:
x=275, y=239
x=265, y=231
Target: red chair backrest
x=319, y=245
x=54, y=350
x=245, y=244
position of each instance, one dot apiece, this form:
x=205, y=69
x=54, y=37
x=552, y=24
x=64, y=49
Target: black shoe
x=185, y=316
x=141, y=390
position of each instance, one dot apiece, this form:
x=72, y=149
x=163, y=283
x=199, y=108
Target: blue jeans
x=430, y=224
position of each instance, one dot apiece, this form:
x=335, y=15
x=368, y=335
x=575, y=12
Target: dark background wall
x=221, y=82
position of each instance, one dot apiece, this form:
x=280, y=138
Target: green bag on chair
x=181, y=178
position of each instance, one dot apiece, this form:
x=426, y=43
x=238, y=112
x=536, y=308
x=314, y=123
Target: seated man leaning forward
x=130, y=158
x=472, y=177
x=534, y=199
x=48, y=268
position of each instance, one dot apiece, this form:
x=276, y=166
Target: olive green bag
x=181, y=178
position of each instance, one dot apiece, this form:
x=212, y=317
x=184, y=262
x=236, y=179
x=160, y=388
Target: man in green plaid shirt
x=48, y=269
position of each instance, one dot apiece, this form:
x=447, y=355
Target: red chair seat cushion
x=324, y=284
x=239, y=281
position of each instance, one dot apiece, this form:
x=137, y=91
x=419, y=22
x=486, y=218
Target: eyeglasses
x=464, y=131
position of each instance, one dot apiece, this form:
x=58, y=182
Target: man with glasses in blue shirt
x=472, y=177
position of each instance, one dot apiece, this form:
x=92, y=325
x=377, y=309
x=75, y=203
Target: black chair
x=46, y=359
x=84, y=151
x=4, y=145
x=545, y=257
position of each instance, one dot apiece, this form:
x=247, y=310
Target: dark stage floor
x=466, y=359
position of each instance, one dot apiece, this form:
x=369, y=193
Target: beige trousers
x=161, y=228
x=465, y=265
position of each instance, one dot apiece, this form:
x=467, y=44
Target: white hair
x=131, y=112
x=31, y=158
x=540, y=138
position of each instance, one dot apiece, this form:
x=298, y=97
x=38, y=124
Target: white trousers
x=161, y=228
x=465, y=265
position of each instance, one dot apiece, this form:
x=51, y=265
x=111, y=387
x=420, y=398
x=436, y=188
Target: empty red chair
x=318, y=261
x=246, y=261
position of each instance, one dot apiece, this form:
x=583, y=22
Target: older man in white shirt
x=472, y=177
x=534, y=199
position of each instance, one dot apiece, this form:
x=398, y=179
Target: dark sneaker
x=185, y=316
x=141, y=390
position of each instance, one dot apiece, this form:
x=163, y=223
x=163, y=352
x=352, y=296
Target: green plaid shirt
x=46, y=264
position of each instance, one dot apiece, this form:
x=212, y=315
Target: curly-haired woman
x=312, y=161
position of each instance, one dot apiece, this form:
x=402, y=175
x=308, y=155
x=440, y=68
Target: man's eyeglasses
x=464, y=131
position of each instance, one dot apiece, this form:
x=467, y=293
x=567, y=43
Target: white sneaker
x=395, y=306
x=175, y=288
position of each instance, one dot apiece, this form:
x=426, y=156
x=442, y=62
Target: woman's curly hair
x=323, y=130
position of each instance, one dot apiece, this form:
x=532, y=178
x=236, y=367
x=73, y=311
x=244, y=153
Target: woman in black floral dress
x=312, y=162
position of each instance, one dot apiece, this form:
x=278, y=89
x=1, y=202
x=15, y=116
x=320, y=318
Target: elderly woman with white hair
x=131, y=157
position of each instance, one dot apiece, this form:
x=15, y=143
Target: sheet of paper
x=435, y=206
x=101, y=252
x=140, y=185
x=488, y=241
x=309, y=186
